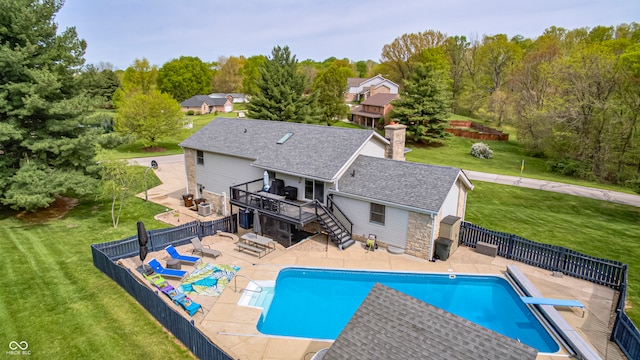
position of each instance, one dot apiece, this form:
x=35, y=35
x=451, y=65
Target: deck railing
x=339, y=214
x=557, y=258
x=250, y=195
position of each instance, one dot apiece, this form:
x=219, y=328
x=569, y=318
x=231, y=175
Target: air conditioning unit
x=204, y=209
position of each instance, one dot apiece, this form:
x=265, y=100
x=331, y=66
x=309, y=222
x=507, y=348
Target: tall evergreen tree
x=425, y=104
x=280, y=91
x=47, y=141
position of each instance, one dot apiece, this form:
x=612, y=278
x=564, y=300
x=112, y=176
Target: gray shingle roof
x=379, y=99
x=313, y=151
x=416, y=185
x=393, y=325
x=198, y=100
x=356, y=81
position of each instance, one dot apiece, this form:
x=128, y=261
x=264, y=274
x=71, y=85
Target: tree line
x=571, y=95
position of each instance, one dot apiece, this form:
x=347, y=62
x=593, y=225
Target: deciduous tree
x=150, y=116
x=118, y=182
x=251, y=73
x=140, y=76
x=398, y=55
x=185, y=77
x=331, y=85
x=228, y=77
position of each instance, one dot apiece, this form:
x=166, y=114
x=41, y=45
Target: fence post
x=562, y=260
x=509, y=254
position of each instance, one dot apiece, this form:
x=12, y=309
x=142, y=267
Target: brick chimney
x=396, y=134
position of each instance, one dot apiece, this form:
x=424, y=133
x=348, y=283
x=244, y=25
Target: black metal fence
x=105, y=256
x=557, y=258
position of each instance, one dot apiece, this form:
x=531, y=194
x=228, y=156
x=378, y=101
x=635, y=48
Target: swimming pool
x=318, y=303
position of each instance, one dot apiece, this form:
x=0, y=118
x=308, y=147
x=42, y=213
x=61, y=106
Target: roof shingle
x=411, y=184
x=313, y=151
x=392, y=325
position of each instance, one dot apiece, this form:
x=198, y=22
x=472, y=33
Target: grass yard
x=507, y=160
x=593, y=227
x=60, y=304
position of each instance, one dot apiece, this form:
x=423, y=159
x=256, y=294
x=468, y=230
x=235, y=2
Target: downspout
x=433, y=236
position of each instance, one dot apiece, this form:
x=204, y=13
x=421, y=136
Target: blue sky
x=119, y=31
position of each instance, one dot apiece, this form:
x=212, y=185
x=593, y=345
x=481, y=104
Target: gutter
x=386, y=203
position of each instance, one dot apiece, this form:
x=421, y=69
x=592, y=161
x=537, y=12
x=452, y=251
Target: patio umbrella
x=256, y=222
x=265, y=181
x=143, y=238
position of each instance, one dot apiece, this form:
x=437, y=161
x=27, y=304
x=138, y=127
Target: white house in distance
x=362, y=88
x=348, y=183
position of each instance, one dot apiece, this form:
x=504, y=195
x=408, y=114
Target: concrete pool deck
x=233, y=327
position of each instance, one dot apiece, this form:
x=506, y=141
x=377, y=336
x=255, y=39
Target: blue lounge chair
x=182, y=258
x=159, y=269
x=184, y=301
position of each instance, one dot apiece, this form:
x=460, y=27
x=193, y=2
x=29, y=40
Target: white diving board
x=551, y=301
x=566, y=331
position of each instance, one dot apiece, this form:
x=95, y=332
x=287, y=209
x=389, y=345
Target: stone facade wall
x=190, y=166
x=396, y=134
x=419, y=230
x=216, y=201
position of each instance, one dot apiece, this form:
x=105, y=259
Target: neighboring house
x=374, y=108
x=237, y=98
x=360, y=89
x=204, y=104
x=348, y=183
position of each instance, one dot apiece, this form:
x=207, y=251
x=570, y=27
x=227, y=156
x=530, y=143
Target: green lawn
x=60, y=304
x=507, y=160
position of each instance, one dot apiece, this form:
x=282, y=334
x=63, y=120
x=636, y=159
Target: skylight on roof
x=285, y=138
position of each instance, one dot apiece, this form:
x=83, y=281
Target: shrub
x=190, y=112
x=481, y=150
x=569, y=167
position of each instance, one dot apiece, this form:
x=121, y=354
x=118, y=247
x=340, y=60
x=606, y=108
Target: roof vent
x=285, y=138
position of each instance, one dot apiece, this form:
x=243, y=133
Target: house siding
x=375, y=149
x=219, y=172
x=450, y=204
x=393, y=232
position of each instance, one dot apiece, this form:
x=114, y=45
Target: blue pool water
x=317, y=303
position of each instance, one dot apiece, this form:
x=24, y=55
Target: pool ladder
x=235, y=284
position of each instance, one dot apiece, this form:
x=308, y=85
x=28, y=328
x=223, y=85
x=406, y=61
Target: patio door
x=314, y=190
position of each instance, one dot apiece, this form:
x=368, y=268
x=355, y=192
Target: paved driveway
x=607, y=195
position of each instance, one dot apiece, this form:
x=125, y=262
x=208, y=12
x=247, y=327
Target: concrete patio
x=233, y=327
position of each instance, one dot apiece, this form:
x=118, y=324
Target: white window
x=199, y=157
x=376, y=215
